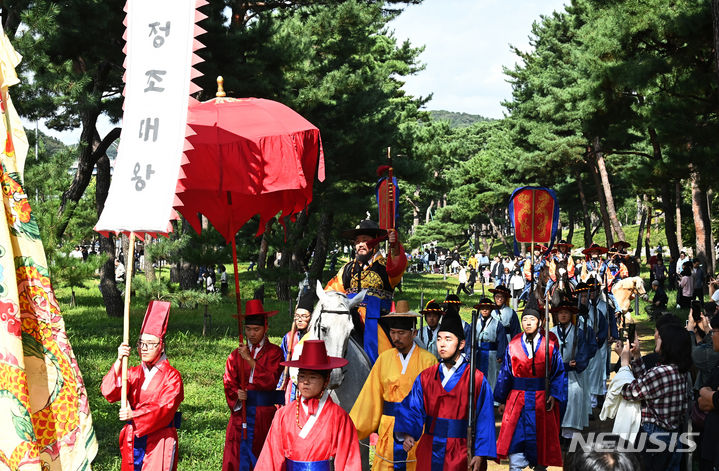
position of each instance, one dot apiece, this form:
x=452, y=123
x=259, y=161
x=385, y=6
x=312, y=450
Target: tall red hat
x=314, y=357
x=156, y=316
x=255, y=313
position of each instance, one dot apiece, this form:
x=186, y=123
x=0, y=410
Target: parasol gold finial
x=220, y=87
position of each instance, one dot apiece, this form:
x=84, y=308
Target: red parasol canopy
x=249, y=156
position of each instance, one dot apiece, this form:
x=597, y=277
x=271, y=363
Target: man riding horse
x=540, y=261
x=595, y=265
x=561, y=270
x=370, y=270
x=616, y=271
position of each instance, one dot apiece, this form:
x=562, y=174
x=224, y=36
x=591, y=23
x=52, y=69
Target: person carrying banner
x=427, y=335
x=438, y=405
x=387, y=385
x=311, y=432
x=491, y=341
x=506, y=314
x=574, y=350
x=148, y=441
x=370, y=270
x=255, y=390
x=529, y=435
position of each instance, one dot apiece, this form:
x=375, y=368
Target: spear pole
x=126, y=316
x=471, y=401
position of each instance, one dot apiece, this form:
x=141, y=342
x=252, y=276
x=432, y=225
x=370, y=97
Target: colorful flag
x=43, y=403
x=534, y=214
x=388, y=215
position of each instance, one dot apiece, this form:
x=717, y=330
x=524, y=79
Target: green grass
x=201, y=360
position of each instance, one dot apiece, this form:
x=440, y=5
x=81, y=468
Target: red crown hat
x=314, y=357
x=254, y=307
x=156, y=316
x=541, y=248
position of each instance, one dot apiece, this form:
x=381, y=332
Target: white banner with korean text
x=158, y=72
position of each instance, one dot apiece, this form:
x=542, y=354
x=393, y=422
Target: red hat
x=254, y=307
x=541, y=247
x=156, y=316
x=314, y=357
x=621, y=244
x=594, y=248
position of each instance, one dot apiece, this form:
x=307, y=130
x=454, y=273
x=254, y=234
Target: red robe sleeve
x=396, y=265
x=155, y=414
x=110, y=386
x=231, y=378
x=272, y=457
x=347, y=445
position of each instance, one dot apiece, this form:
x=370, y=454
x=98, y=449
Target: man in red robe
x=251, y=375
x=148, y=441
x=312, y=432
x=529, y=435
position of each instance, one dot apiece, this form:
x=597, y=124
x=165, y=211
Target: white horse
x=625, y=291
x=332, y=322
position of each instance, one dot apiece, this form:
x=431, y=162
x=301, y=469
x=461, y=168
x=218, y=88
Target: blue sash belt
x=445, y=428
x=528, y=384
x=265, y=398
x=488, y=345
x=307, y=465
x=390, y=408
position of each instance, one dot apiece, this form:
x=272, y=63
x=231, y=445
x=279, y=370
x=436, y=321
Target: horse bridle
x=328, y=311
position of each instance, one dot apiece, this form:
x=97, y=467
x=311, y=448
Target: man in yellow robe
x=388, y=383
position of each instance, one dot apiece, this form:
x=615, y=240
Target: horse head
x=332, y=322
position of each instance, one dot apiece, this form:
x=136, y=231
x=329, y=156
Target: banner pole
x=126, y=317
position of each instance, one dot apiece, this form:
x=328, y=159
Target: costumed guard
x=451, y=305
x=148, y=441
x=603, y=325
x=427, y=335
x=438, y=405
x=560, y=257
x=594, y=266
x=575, y=355
x=303, y=316
x=539, y=263
x=506, y=314
x=388, y=383
x=369, y=270
x=616, y=270
x=312, y=433
x=530, y=434
x=250, y=380
x=584, y=323
x=491, y=341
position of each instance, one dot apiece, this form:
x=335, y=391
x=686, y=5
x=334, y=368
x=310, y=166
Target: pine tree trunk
x=607, y=190
x=678, y=212
x=701, y=221
x=570, y=232
x=428, y=213
x=108, y=288
x=264, y=246
x=648, y=232
x=148, y=268
x=710, y=198
x=592, y=164
x=321, y=246
x=642, y=215
x=670, y=227
x=585, y=212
